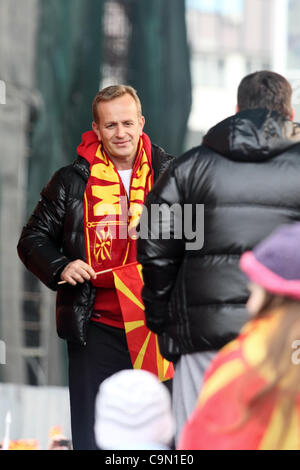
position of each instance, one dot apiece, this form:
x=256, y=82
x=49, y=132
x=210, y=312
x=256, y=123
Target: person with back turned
x=246, y=176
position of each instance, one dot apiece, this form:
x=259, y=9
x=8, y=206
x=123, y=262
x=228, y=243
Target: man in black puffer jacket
x=74, y=233
x=247, y=175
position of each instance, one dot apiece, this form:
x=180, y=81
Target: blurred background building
x=228, y=40
x=184, y=57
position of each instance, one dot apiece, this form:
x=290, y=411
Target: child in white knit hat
x=133, y=411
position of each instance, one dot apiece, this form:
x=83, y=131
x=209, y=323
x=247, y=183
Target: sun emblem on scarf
x=103, y=244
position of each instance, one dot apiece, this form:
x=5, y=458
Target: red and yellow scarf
x=110, y=217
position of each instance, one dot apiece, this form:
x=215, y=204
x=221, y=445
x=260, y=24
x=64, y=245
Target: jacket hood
x=89, y=146
x=253, y=135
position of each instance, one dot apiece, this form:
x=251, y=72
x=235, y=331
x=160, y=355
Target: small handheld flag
x=142, y=343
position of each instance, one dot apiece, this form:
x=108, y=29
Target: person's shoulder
x=79, y=165
x=66, y=174
x=196, y=159
x=160, y=159
x=194, y=154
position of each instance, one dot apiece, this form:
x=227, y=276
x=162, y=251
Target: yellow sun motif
x=103, y=245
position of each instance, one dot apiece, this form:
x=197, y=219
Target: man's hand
x=77, y=271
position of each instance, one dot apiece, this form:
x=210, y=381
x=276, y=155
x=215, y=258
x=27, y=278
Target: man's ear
x=142, y=123
x=95, y=128
x=237, y=109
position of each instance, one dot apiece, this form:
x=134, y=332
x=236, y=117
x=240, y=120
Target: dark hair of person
x=112, y=92
x=265, y=89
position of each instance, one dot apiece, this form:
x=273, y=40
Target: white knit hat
x=133, y=409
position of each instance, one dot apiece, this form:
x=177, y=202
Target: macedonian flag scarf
x=110, y=216
x=230, y=383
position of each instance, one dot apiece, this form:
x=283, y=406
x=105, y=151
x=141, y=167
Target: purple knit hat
x=275, y=262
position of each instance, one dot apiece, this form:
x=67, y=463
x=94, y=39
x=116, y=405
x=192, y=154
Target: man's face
x=119, y=128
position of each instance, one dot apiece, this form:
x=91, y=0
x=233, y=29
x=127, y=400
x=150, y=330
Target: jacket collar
x=253, y=135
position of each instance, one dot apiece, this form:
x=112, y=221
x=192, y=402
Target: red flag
x=142, y=343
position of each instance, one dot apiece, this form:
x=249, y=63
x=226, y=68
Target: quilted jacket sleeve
x=40, y=243
x=160, y=247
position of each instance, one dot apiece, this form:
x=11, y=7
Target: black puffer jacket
x=54, y=236
x=247, y=175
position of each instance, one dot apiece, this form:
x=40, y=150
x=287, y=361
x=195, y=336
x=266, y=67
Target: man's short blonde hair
x=112, y=92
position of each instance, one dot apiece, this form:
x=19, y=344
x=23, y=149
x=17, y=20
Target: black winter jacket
x=54, y=236
x=247, y=175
